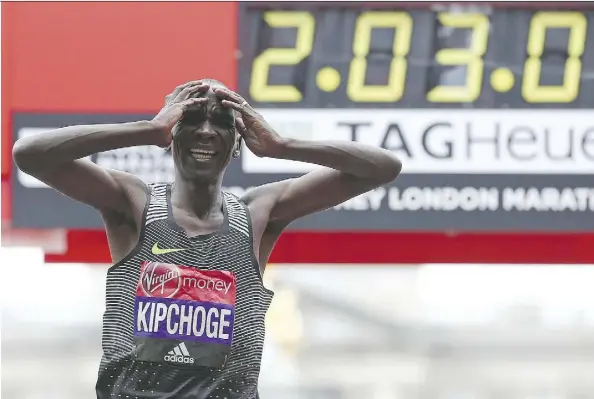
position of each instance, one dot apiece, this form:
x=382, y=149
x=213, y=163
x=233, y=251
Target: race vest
x=184, y=315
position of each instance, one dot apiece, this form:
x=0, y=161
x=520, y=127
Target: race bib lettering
x=179, y=303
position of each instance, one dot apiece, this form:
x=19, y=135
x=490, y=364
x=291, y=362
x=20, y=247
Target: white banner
x=447, y=141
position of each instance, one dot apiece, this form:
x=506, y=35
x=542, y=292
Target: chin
x=200, y=170
x=207, y=173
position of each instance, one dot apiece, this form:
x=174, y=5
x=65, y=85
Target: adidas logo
x=179, y=354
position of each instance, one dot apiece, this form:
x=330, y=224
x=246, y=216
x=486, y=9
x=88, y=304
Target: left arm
x=349, y=168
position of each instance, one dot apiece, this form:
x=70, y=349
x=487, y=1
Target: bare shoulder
x=261, y=201
x=134, y=190
x=123, y=226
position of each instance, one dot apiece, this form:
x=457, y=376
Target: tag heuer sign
x=464, y=170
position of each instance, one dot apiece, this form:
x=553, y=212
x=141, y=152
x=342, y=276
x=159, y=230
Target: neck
x=200, y=198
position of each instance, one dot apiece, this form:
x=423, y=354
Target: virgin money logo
x=160, y=279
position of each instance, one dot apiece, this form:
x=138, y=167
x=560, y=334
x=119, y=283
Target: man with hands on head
x=185, y=302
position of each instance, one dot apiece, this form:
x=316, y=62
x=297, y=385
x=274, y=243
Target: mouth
x=202, y=155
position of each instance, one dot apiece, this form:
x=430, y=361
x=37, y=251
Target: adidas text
x=179, y=359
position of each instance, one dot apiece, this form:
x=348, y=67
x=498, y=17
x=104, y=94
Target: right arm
x=54, y=158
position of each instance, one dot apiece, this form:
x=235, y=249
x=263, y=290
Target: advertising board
x=485, y=104
x=488, y=170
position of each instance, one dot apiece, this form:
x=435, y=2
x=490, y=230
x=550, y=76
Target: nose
x=205, y=132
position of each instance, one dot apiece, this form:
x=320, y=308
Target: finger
x=241, y=129
x=195, y=101
x=179, y=88
x=229, y=95
x=190, y=83
x=194, y=91
x=185, y=93
x=189, y=89
x=201, y=88
x=175, y=91
x=233, y=105
x=182, y=94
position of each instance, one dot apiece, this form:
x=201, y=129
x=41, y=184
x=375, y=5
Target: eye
x=223, y=119
x=193, y=117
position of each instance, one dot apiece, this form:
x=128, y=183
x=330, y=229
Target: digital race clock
x=308, y=55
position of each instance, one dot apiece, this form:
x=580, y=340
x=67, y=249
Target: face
x=204, y=140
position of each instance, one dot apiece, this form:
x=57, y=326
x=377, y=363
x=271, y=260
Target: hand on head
x=257, y=134
x=176, y=103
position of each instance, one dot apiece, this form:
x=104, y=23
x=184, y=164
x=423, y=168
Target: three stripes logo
x=179, y=354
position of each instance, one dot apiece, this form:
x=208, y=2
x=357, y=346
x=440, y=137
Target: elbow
x=390, y=170
x=25, y=155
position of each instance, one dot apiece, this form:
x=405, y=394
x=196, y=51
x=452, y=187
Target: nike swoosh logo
x=162, y=251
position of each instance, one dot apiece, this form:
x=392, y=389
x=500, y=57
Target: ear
x=237, y=148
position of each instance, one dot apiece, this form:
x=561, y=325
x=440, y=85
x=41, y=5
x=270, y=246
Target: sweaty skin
x=203, y=122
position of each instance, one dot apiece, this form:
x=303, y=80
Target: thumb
x=240, y=126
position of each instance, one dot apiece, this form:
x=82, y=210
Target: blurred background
x=470, y=277
x=340, y=331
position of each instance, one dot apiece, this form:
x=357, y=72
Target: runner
x=185, y=302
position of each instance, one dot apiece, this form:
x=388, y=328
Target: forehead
x=210, y=94
x=214, y=102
